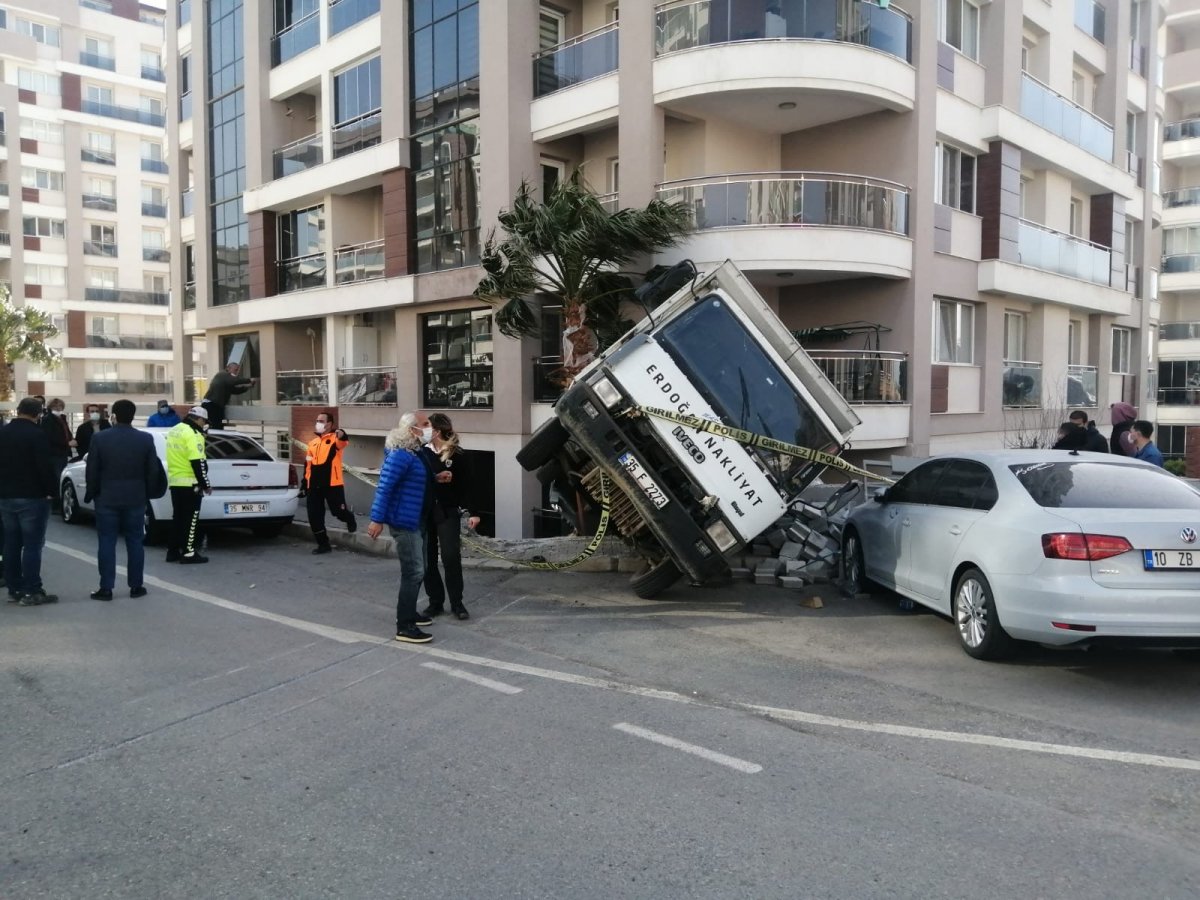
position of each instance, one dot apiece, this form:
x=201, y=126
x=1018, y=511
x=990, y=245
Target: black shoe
x=37, y=598
x=101, y=594
x=351, y=523
x=322, y=548
x=413, y=635
x=430, y=611
x=422, y=621
x=193, y=559
x=174, y=556
x=461, y=612
x=138, y=592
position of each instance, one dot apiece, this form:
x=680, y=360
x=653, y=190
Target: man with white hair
x=403, y=499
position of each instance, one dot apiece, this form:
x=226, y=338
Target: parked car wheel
x=70, y=504
x=854, y=572
x=542, y=445
x=656, y=579
x=979, y=629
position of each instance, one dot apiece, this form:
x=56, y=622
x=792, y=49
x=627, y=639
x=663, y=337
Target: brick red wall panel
x=939, y=389
x=72, y=91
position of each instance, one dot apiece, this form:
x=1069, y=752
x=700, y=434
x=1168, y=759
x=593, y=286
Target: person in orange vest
x=323, y=485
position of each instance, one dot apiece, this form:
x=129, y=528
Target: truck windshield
x=744, y=386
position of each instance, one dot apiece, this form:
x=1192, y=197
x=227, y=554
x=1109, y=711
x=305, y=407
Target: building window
x=457, y=355
x=1122, y=348
x=1014, y=336
x=39, y=82
x=954, y=332
x=1171, y=440
x=101, y=239
x=230, y=238
x=105, y=325
x=98, y=94
x=955, y=178
x=1074, y=336
x=357, y=99
x=41, y=131
x=302, y=249
x=958, y=26
x=98, y=48
x=1076, y=220
x=554, y=173
x=105, y=279
x=52, y=276
x=43, y=34
x=42, y=227
x=41, y=179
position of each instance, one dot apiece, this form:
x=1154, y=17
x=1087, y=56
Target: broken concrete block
x=798, y=532
x=790, y=550
x=794, y=584
x=763, y=579
x=813, y=602
x=762, y=550
x=795, y=567
x=776, y=538
x=740, y=573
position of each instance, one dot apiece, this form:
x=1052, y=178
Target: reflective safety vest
x=184, y=444
x=320, y=450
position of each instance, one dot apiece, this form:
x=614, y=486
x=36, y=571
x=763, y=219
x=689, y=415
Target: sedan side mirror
x=882, y=496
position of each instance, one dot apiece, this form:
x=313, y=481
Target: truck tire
x=542, y=445
x=656, y=579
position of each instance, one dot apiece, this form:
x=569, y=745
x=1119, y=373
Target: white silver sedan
x=1037, y=545
x=250, y=487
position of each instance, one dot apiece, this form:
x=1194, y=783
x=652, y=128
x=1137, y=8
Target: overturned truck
x=685, y=499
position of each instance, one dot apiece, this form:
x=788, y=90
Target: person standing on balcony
x=221, y=389
x=93, y=423
x=166, y=417
x=451, y=488
x=323, y=485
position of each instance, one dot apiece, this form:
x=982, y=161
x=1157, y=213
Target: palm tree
x=23, y=333
x=571, y=247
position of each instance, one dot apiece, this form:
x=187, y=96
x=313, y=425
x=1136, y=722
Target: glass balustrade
x=357, y=134
x=345, y=14
x=1182, y=131
x=367, y=386
x=579, y=59
x=301, y=273
x=1189, y=196
x=863, y=376
x=362, y=262
x=299, y=155
x=1022, y=384
x=1063, y=254
x=1062, y=117
x=1082, y=386
x=296, y=38
x=303, y=387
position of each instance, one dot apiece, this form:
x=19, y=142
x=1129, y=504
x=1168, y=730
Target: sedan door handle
x=954, y=529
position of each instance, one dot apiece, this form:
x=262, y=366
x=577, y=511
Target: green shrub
x=1176, y=466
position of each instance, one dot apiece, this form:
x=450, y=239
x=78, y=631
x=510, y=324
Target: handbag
x=158, y=479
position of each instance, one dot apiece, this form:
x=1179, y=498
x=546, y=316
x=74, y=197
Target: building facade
x=952, y=202
x=85, y=192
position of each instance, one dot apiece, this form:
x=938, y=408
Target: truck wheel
x=542, y=445
x=656, y=579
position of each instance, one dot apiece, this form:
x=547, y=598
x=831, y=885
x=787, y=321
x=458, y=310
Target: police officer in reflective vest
x=187, y=476
x=323, y=483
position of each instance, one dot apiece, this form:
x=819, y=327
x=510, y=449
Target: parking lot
x=248, y=730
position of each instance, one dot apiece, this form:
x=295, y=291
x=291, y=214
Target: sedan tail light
x=293, y=478
x=1091, y=547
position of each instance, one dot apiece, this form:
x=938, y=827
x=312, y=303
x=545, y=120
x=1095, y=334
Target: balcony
x=154, y=210
x=806, y=222
x=116, y=295
x=1065, y=119
x=863, y=376
x=158, y=388
x=1179, y=331
x=100, y=248
x=1082, y=386
x=155, y=165
x=298, y=155
x=297, y=38
x=100, y=157
x=367, y=386
x=104, y=6
x=580, y=59
x=1022, y=384
x=307, y=387
x=96, y=61
x=154, y=73
x=128, y=342
x=1089, y=18
x=189, y=295
x=100, y=201
x=345, y=14
x=124, y=113
x=728, y=59
x=301, y=273
x=156, y=254
x=1063, y=254
x=361, y=262
x=357, y=134
x=1180, y=272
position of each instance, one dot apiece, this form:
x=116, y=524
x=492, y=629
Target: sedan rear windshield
x=234, y=446
x=1093, y=485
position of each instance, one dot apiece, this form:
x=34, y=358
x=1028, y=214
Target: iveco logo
x=246, y=477
x=1188, y=535
x=682, y=436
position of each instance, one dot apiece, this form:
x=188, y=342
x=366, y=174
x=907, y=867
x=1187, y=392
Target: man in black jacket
x=62, y=442
x=1096, y=442
x=220, y=390
x=93, y=423
x=27, y=481
x=123, y=474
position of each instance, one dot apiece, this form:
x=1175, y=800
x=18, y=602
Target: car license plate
x=1172, y=559
x=629, y=462
x=233, y=509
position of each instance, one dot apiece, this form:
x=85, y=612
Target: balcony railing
x=154, y=210
x=1064, y=254
x=155, y=165
x=104, y=6
x=1065, y=118
x=1189, y=196
x=344, y=14
x=156, y=254
x=580, y=59
x=100, y=248
x=1182, y=131
x=96, y=61
x=367, y=386
x=5, y=239
x=1181, y=263
x=1022, y=384
x=302, y=272
x=862, y=376
x=362, y=262
x=1082, y=386
x=296, y=38
x=124, y=113
x=100, y=201
x=610, y=202
x=129, y=342
x=792, y=198
x=117, y=295
x=303, y=386
x=1089, y=18
x=187, y=203
x=100, y=157
x=682, y=26
x=357, y=134
x=159, y=388
x=1179, y=396
x=1179, y=331
x=189, y=295
x=299, y=155
x=154, y=73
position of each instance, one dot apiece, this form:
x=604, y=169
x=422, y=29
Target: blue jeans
x=25, y=521
x=112, y=521
x=410, y=550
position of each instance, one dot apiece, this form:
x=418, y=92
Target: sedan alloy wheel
x=979, y=627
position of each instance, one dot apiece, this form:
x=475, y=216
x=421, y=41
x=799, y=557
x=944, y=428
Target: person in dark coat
x=28, y=479
x=1070, y=437
x=62, y=443
x=452, y=480
x=221, y=390
x=1096, y=442
x=123, y=474
x=93, y=423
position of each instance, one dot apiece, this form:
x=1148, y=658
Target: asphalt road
x=247, y=730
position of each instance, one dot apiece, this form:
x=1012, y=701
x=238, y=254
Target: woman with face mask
x=451, y=470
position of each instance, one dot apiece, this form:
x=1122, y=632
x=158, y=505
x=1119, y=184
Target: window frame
x=966, y=342
x=479, y=377
x=1122, y=346
x=953, y=16
x=955, y=177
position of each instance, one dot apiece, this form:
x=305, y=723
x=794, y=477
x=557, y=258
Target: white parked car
x=250, y=487
x=1037, y=545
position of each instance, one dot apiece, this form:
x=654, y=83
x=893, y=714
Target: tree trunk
x=6, y=377
x=579, y=342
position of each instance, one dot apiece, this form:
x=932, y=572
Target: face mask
x=57, y=412
x=427, y=434
x=163, y=409
x=95, y=417
x=319, y=428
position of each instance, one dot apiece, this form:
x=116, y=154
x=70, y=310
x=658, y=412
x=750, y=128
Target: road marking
x=720, y=759
x=344, y=636
x=473, y=678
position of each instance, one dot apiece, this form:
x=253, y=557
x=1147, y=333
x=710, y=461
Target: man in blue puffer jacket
x=403, y=499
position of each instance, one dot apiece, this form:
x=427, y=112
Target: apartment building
x=83, y=208
x=951, y=201
x=1178, y=430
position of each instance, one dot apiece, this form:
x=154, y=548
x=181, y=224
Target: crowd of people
x=1130, y=436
